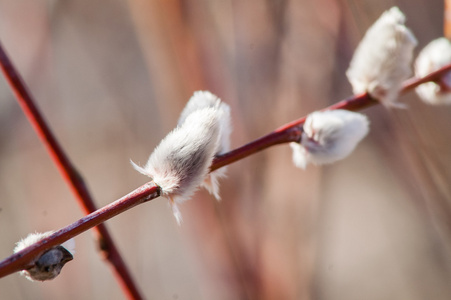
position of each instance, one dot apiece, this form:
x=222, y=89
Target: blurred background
x=111, y=77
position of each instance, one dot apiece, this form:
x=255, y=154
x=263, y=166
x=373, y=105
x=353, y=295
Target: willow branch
x=69, y=173
x=287, y=133
x=21, y=259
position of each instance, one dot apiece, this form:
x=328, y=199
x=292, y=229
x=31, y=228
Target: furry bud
x=382, y=60
x=181, y=162
x=329, y=136
x=434, y=56
x=49, y=264
x=200, y=100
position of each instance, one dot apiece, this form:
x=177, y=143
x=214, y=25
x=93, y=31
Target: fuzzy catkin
x=181, y=160
x=180, y=163
x=382, y=60
x=201, y=100
x=329, y=136
x=434, y=56
x=49, y=264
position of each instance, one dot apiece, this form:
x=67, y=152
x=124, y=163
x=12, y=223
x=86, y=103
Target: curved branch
x=16, y=262
x=287, y=133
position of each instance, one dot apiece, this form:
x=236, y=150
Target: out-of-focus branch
x=69, y=172
x=447, y=19
x=287, y=133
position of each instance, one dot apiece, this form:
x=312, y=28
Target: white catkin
x=382, y=60
x=50, y=263
x=180, y=163
x=200, y=100
x=434, y=56
x=329, y=136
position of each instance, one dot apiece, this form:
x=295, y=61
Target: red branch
x=23, y=258
x=287, y=133
x=69, y=172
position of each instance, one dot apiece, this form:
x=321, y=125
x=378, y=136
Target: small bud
x=435, y=55
x=329, y=136
x=200, y=100
x=49, y=264
x=382, y=60
x=181, y=162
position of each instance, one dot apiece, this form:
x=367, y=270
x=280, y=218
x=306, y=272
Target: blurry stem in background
x=70, y=174
x=447, y=19
x=287, y=133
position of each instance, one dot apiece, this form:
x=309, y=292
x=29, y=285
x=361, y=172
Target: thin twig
x=284, y=134
x=69, y=172
x=287, y=133
x=22, y=258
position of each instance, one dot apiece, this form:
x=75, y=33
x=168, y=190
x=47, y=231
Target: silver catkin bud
x=49, y=264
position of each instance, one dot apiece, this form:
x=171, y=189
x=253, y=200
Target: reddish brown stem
x=17, y=261
x=69, y=172
x=434, y=76
x=287, y=133
x=290, y=134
